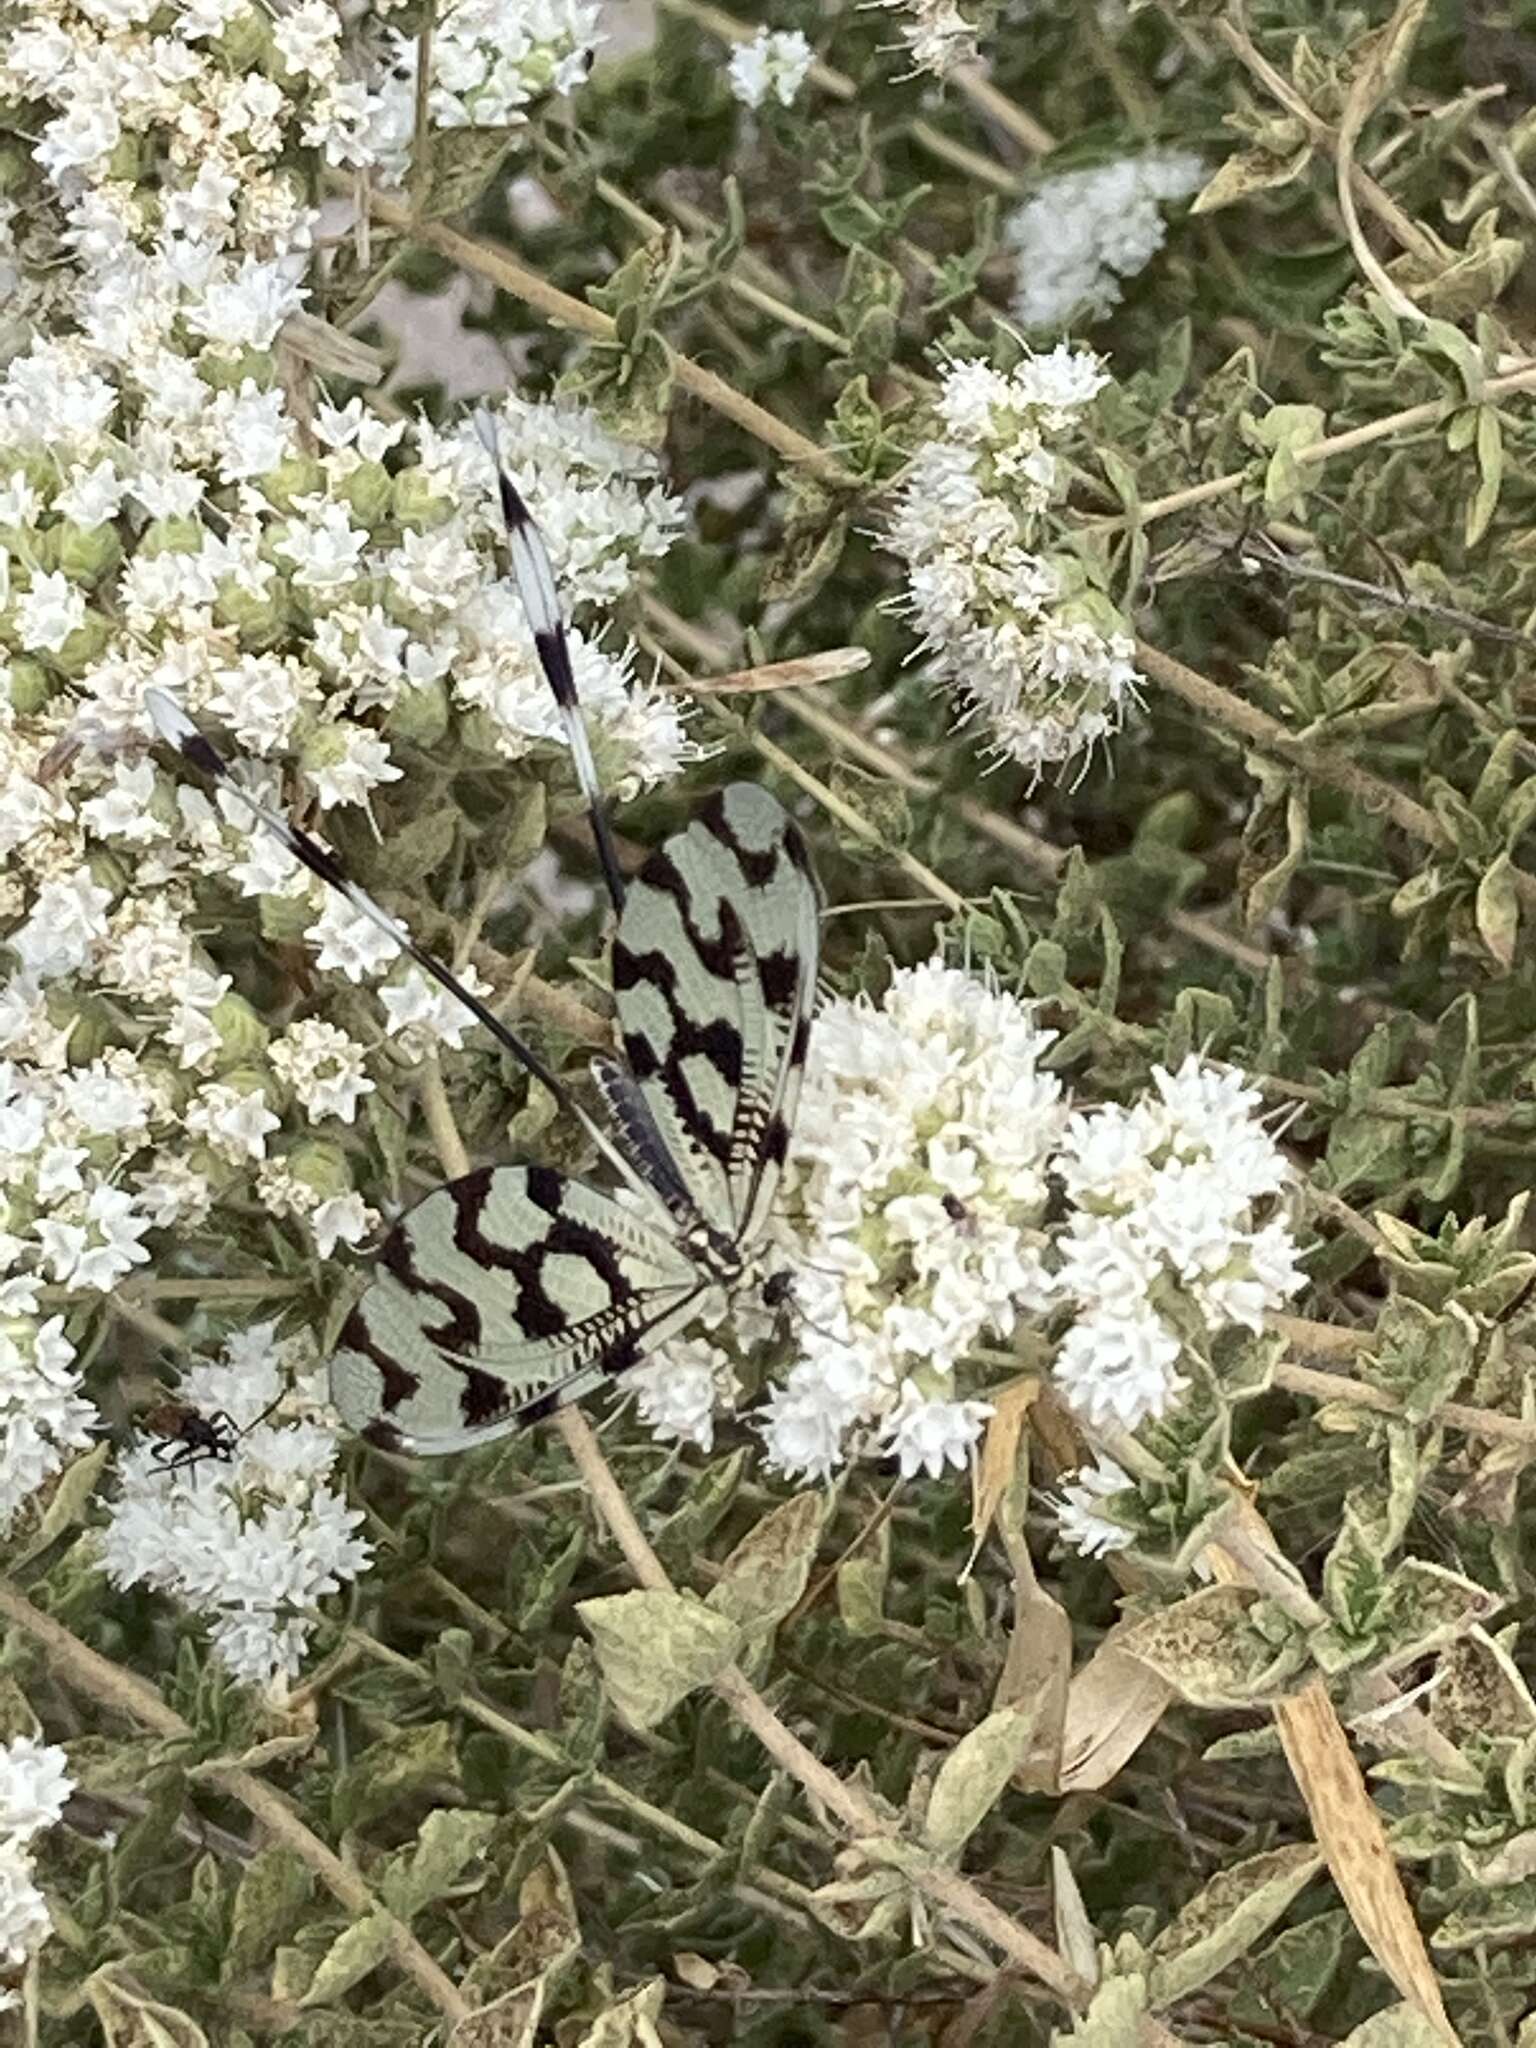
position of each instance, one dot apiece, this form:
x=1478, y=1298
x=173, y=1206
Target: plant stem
x=1331, y=1386
x=844, y=1802
x=839, y=86
x=532, y=1742
x=1407, y=233
x=445, y=1132
x=107, y=1684
x=486, y=260
x=1321, y=762
x=1519, y=377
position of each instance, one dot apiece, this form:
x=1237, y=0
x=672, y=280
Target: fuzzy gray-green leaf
x=654, y=1648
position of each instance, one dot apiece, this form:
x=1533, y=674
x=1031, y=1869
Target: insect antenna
x=535, y=581
x=194, y=746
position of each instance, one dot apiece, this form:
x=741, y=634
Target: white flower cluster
x=252, y=1544
x=937, y=35
x=1083, y=231
x=1080, y=1520
x=916, y=1194
x=1171, y=1201
x=321, y=587
x=774, y=63
x=34, y=1784
x=43, y=1412
x=940, y=1189
x=1041, y=658
x=490, y=59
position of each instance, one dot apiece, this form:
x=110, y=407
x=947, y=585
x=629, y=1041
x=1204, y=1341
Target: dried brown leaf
x=1113, y=1704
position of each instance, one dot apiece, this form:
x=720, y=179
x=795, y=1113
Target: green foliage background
x=1309, y=854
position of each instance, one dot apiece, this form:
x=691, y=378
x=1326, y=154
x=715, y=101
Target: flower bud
x=84, y=646
x=417, y=505
x=322, y=1166
x=178, y=534
x=31, y=685
x=242, y=1034
x=245, y=42
x=86, y=553
x=285, y=919
x=301, y=476
x=368, y=490
x=259, y=619
x=419, y=715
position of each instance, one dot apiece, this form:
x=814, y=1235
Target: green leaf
x=129, y=2019
x=1426, y=1607
x=1208, y=1649
x=1400, y=2026
x=767, y=1571
x=550, y=1585
x=391, y=1135
x=274, y=1891
x=453, y=1660
x=510, y=2021
x=447, y=1842
x=410, y=1760
x=1286, y=430
x=974, y=1776
x=67, y=1503
x=353, y=1955
x=654, y=1648
x=1498, y=911
x=1248, y=171
x=1301, y=1960
x=861, y=1582
x=1224, y=1920
x=631, y=2022
x=1113, y=2018
x=583, y=1706
x=462, y=164
x=806, y=558
x=411, y=852
x=1490, y=465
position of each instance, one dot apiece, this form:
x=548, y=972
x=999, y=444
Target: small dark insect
x=188, y=1438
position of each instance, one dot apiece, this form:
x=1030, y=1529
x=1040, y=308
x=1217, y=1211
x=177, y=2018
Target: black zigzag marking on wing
x=714, y=963
x=462, y=1331
x=716, y=1039
x=558, y=1286
x=537, y=1314
x=399, y=1383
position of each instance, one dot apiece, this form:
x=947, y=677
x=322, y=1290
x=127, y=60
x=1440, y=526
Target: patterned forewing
x=500, y=1296
x=714, y=970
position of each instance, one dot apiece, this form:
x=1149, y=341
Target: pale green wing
x=714, y=974
x=501, y=1296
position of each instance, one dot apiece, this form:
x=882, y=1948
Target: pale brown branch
x=1519, y=377
x=487, y=260
x=123, y=1692
x=844, y=1802
x=1323, y=763
x=1406, y=232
